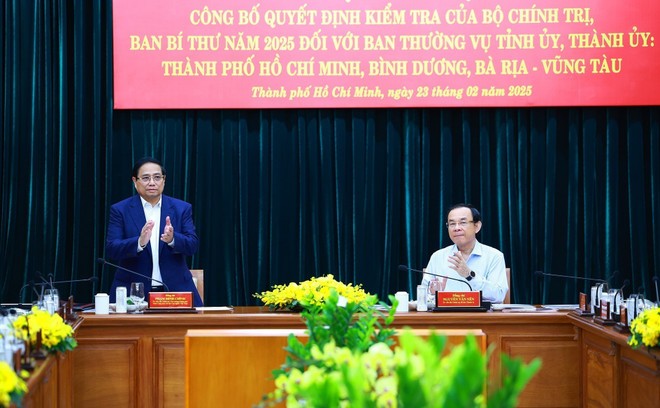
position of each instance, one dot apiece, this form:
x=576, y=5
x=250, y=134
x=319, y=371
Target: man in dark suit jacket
x=152, y=234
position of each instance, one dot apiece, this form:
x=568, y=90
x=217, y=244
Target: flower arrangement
x=56, y=334
x=349, y=361
x=312, y=292
x=410, y=375
x=12, y=386
x=645, y=329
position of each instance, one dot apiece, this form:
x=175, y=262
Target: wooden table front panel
x=613, y=373
x=144, y=354
x=233, y=368
x=43, y=385
x=640, y=379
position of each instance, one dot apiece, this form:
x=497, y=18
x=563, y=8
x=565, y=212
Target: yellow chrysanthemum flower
x=645, y=329
x=311, y=292
x=56, y=334
x=12, y=387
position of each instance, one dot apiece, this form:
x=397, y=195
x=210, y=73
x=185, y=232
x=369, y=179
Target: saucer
x=129, y=308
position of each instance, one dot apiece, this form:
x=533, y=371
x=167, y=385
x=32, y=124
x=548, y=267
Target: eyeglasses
x=157, y=178
x=461, y=224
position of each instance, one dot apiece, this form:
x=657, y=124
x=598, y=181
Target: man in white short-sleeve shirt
x=468, y=260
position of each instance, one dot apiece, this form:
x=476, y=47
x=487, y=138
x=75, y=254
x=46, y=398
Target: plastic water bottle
x=421, y=298
x=121, y=305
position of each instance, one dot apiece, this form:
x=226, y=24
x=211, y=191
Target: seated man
x=481, y=266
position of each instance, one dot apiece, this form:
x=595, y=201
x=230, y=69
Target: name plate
x=623, y=315
x=584, y=306
x=605, y=316
x=458, y=299
x=583, y=302
x=605, y=310
x=170, y=300
x=622, y=325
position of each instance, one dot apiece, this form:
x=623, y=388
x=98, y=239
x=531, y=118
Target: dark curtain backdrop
x=283, y=195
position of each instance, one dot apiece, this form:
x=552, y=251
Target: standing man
x=481, y=266
x=152, y=234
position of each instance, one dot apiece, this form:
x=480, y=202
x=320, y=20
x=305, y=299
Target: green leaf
x=420, y=373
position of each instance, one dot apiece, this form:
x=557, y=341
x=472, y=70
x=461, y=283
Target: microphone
x=104, y=262
x=541, y=273
x=600, y=284
x=40, y=277
x=404, y=268
x=655, y=281
x=53, y=283
x=31, y=285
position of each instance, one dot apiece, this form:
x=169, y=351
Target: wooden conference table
x=138, y=360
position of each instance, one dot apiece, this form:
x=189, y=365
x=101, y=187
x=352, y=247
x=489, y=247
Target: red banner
x=384, y=53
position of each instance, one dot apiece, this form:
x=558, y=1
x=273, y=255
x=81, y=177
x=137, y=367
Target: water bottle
x=421, y=298
x=121, y=305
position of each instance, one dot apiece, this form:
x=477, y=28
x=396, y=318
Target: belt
x=159, y=288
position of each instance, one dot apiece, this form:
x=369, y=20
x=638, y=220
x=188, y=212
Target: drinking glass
x=137, y=295
x=51, y=300
x=435, y=285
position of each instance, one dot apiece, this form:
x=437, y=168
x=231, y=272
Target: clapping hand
x=145, y=234
x=457, y=262
x=168, y=232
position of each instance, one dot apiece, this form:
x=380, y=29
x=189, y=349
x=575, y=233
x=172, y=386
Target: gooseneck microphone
x=541, y=273
x=655, y=281
x=53, y=283
x=600, y=284
x=404, y=268
x=50, y=283
x=31, y=285
x=104, y=262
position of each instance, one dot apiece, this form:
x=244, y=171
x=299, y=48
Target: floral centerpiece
x=312, y=292
x=12, y=386
x=350, y=360
x=645, y=329
x=56, y=334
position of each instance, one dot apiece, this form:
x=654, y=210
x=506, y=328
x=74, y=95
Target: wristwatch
x=470, y=276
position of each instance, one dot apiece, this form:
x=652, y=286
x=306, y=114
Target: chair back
x=507, y=297
x=198, y=278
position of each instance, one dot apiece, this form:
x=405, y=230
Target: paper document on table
x=532, y=310
x=214, y=308
x=513, y=306
x=570, y=306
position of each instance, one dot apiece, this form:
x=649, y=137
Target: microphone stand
x=615, y=312
x=90, y=279
x=404, y=268
x=599, y=285
x=483, y=306
x=104, y=262
x=573, y=277
x=622, y=317
x=31, y=285
x=51, y=284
